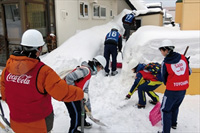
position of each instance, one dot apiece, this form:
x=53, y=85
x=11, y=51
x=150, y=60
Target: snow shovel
x=92, y=118
x=186, y=50
x=155, y=114
x=2, y=114
x=119, y=60
x=5, y=128
x=82, y=116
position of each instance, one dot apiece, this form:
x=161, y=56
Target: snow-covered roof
x=153, y=4
x=142, y=8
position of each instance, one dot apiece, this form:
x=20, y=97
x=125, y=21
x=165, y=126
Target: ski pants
x=110, y=49
x=74, y=109
x=127, y=28
x=149, y=90
x=170, y=108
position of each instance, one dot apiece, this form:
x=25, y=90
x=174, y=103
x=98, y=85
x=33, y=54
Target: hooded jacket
x=143, y=76
x=169, y=74
x=48, y=83
x=83, y=75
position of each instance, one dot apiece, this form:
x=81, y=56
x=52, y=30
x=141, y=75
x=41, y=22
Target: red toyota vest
x=178, y=78
x=25, y=102
x=147, y=75
x=85, y=81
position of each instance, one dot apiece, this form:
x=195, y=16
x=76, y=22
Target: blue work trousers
x=170, y=108
x=149, y=90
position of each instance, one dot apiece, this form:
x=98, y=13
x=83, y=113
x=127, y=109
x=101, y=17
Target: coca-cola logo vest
x=22, y=79
x=25, y=102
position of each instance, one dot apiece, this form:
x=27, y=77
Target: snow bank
x=143, y=45
x=82, y=46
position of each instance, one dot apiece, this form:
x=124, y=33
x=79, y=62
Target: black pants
x=74, y=109
x=127, y=28
x=110, y=49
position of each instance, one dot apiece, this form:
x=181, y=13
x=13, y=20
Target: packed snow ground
x=107, y=93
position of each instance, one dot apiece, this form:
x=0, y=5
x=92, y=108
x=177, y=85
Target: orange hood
x=19, y=65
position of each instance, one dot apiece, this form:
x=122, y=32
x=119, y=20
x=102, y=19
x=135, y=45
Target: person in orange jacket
x=27, y=85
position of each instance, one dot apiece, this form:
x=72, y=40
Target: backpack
x=154, y=68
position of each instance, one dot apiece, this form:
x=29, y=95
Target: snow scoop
x=89, y=114
x=155, y=114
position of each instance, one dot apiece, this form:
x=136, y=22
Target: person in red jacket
x=27, y=85
x=145, y=81
x=175, y=73
x=80, y=77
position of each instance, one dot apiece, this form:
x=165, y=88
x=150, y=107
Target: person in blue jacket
x=175, y=73
x=113, y=44
x=128, y=21
x=145, y=81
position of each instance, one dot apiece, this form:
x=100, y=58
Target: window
x=96, y=11
x=99, y=11
x=36, y=16
x=83, y=9
x=103, y=12
x=111, y=13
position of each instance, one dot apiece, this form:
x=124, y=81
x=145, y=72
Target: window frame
x=99, y=12
x=85, y=13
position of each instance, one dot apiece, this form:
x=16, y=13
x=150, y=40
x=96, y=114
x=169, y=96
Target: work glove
x=85, y=98
x=128, y=97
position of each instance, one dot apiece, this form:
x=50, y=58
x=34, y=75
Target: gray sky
x=165, y=3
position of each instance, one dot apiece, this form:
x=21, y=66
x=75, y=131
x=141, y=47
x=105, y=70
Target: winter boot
x=113, y=73
x=174, y=126
x=140, y=106
x=152, y=102
x=87, y=125
x=106, y=74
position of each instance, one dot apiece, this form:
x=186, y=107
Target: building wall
x=191, y=15
x=187, y=14
x=178, y=15
x=121, y=5
x=154, y=19
x=69, y=22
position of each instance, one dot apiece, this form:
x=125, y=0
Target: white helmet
x=32, y=38
x=132, y=64
x=101, y=60
x=167, y=44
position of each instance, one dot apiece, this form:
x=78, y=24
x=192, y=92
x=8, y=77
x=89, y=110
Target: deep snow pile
x=107, y=93
x=143, y=45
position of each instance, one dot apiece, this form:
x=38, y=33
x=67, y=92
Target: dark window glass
x=2, y=42
x=13, y=23
x=36, y=16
